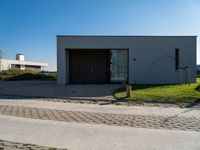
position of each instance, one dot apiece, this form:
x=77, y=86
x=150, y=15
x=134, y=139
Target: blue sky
x=31, y=26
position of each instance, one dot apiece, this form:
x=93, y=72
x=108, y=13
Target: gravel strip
x=88, y=101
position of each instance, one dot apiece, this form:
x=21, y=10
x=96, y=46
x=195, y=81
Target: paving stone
x=6, y=145
x=140, y=121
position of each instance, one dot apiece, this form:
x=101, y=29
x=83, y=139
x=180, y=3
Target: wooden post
x=128, y=91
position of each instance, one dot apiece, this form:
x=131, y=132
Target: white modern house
x=20, y=63
x=198, y=67
x=131, y=59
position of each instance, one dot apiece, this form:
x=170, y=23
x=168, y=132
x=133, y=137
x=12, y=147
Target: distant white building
x=198, y=67
x=20, y=63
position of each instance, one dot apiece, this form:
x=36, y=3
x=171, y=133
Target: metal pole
x=189, y=78
x=181, y=74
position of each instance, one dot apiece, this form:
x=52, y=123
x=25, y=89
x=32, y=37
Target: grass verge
x=182, y=95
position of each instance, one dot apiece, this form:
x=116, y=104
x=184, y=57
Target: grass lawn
x=182, y=95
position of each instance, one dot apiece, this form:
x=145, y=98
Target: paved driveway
x=50, y=89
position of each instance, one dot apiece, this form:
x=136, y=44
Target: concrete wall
x=4, y=64
x=151, y=58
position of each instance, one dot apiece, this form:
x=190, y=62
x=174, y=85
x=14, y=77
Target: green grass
x=178, y=94
x=15, y=74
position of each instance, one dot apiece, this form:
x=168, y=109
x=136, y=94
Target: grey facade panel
x=151, y=58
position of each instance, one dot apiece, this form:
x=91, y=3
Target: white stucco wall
x=155, y=56
x=6, y=64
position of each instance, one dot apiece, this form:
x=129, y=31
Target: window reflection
x=118, y=66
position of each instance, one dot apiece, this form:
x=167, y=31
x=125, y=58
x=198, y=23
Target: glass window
x=118, y=66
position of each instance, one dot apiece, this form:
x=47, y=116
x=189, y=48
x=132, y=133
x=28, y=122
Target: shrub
x=15, y=74
x=198, y=88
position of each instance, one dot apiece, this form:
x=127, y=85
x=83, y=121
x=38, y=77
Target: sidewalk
x=81, y=136
x=96, y=127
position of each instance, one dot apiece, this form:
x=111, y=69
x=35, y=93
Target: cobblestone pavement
x=6, y=145
x=50, y=89
x=139, y=121
x=64, y=100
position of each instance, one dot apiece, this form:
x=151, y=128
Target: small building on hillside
x=129, y=59
x=20, y=63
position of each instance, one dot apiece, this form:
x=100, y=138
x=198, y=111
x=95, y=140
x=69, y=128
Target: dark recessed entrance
x=89, y=66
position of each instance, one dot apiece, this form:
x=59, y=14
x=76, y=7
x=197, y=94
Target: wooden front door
x=89, y=66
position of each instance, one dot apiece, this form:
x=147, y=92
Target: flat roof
x=126, y=36
x=21, y=62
